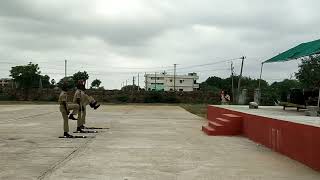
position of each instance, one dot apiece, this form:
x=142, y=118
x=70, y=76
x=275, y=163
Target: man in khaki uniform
x=65, y=108
x=82, y=99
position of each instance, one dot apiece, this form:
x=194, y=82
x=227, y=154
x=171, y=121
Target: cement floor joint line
x=60, y=163
x=31, y=116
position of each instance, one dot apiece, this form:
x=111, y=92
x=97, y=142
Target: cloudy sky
x=114, y=40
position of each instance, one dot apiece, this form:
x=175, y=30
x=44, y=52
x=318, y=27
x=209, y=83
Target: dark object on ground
x=287, y=104
x=73, y=137
x=82, y=131
x=94, y=128
x=300, y=98
x=253, y=105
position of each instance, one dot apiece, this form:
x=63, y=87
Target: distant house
x=167, y=82
x=5, y=82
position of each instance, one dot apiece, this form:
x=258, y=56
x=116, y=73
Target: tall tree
x=80, y=76
x=25, y=76
x=95, y=83
x=28, y=76
x=309, y=72
x=45, y=81
x=281, y=89
x=67, y=80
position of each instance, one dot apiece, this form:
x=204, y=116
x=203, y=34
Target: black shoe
x=67, y=135
x=83, y=127
x=92, y=105
x=96, y=106
x=72, y=117
x=79, y=129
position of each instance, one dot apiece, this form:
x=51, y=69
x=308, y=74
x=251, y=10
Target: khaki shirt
x=79, y=94
x=63, y=97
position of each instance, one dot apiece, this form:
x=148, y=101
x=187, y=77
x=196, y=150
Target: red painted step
x=215, y=125
x=231, y=117
x=225, y=125
x=208, y=130
x=222, y=121
x=214, y=132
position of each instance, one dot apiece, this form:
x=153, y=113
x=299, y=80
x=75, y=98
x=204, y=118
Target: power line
x=207, y=64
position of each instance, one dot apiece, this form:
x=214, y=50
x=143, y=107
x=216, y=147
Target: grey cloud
x=160, y=33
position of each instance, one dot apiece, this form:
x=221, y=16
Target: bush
x=122, y=98
x=7, y=98
x=170, y=98
x=153, y=97
x=269, y=97
x=52, y=98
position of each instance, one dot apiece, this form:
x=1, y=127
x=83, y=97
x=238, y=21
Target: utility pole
x=40, y=83
x=138, y=82
x=132, y=81
x=155, y=81
x=240, y=76
x=232, y=84
x=145, y=81
x=65, y=68
x=88, y=84
x=174, y=77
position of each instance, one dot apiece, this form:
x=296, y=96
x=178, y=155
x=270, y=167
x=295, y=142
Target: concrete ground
x=143, y=142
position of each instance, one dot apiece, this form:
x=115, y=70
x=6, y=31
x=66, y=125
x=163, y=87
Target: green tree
x=216, y=84
x=281, y=89
x=309, y=72
x=95, y=83
x=45, y=81
x=28, y=76
x=68, y=80
x=25, y=76
x=80, y=76
x=130, y=88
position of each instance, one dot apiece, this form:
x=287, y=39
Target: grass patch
x=197, y=109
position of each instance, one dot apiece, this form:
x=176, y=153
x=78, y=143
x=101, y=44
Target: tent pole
x=260, y=76
x=319, y=98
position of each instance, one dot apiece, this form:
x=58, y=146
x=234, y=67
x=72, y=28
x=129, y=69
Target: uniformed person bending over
x=81, y=98
x=65, y=109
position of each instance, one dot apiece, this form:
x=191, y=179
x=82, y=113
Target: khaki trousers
x=74, y=108
x=83, y=109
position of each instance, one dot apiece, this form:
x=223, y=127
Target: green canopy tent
x=300, y=51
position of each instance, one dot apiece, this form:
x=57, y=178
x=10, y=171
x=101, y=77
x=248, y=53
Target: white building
x=166, y=82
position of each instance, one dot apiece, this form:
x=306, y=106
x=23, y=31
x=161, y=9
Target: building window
x=195, y=81
x=170, y=80
x=180, y=89
x=171, y=89
x=181, y=81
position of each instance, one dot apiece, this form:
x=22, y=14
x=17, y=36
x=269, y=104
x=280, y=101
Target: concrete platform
x=276, y=112
x=144, y=142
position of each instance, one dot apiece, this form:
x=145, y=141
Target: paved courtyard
x=143, y=142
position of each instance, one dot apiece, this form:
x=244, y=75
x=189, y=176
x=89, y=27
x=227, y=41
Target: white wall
x=184, y=82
